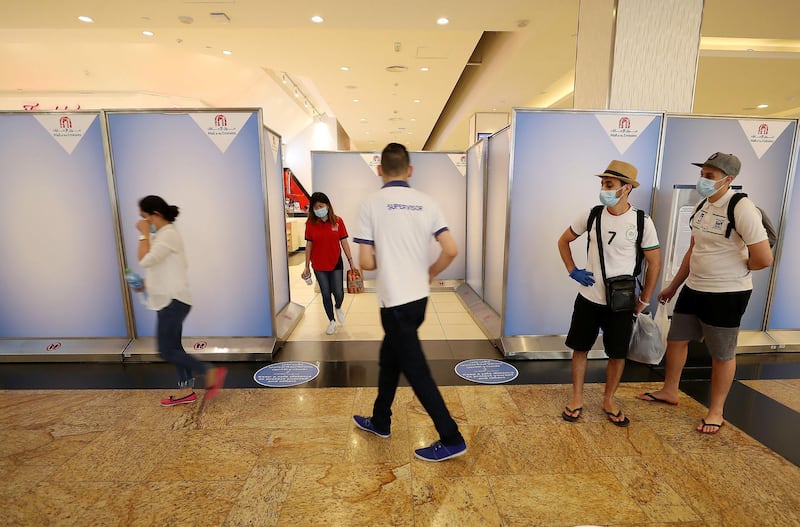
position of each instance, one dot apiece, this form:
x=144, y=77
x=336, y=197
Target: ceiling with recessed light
x=386, y=72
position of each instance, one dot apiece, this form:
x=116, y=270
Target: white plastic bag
x=662, y=321
x=646, y=344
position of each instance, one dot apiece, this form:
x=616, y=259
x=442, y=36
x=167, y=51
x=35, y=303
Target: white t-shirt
x=399, y=222
x=719, y=264
x=619, y=247
x=165, y=264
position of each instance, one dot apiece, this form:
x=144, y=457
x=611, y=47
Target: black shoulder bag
x=620, y=290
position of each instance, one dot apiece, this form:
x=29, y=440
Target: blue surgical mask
x=321, y=213
x=707, y=187
x=609, y=198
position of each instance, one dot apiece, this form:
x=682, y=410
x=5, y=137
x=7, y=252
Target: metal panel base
x=786, y=339
x=484, y=316
x=287, y=320
x=63, y=350
x=543, y=347
x=207, y=349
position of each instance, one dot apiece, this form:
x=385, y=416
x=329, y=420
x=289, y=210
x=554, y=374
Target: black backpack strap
x=736, y=198
x=639, y=236
x=697, y=209
x=594, y=213
x=600, y=243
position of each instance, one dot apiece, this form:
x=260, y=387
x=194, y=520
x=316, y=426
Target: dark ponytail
x=156, y=204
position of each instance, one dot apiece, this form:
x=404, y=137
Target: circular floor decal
x=285, y=374
x=486, y=371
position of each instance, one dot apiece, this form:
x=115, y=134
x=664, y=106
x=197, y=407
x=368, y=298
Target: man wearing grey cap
x=718, y=281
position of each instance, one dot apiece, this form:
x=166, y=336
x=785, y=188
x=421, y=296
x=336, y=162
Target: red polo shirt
x=325, y=251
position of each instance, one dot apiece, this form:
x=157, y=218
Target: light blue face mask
x=609, y=198
x=321, y=213
x=707, y=187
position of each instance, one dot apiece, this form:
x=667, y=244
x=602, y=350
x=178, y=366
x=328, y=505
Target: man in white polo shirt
x=394, y=232
x=717, y=270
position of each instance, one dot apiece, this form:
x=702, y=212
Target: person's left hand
x=143, y=226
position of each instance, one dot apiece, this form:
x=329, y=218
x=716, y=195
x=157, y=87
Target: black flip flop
x=653, y=399
x=715, y=426
x=622, y=424
x=571, y=418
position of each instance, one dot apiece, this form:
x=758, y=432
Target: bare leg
x=722, y=374
x=614, y=371
x=677, y=350
x=579, y=361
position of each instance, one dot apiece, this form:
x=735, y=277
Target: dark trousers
x=169, y=331
x=401, y=352
x=330, y=282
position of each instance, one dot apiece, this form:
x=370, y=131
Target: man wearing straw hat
x=619, y=238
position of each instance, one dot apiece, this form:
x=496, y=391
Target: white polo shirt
x=166, y=270
x=619, y=247
x=719, y=264
x=399, y=222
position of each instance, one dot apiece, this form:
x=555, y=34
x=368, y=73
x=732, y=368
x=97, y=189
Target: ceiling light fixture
x=344, y=68
x=227, y=52
x=148, y=33
x=763, y=106
x=442, y=21
x=294, y=89
x=424, y=68
x=86, y=19
x=396, y=69
x=417, y=100
x=317, y=19
x=356, y=100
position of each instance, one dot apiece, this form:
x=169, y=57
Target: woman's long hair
x=320, y=197
x=153, y=204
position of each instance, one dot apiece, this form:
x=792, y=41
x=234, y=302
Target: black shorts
x=589, y=318
x=723, y=310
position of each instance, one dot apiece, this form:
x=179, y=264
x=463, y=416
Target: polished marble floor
x=88, y=445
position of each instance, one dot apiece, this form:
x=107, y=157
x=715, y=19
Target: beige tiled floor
x=785, y=391
x=445, y=319
x=292, y=457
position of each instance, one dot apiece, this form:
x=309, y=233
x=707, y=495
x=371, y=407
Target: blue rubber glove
x=582, y=276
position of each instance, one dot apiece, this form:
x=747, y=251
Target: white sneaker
x=331, y=328
x=340, y=315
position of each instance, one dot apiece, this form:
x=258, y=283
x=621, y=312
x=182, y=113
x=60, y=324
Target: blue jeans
x=331, y=282
x=169, y=330
x=401, y=352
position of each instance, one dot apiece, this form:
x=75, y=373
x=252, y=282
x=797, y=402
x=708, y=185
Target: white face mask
x=321, y=212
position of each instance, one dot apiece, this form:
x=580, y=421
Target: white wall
x=319, y=135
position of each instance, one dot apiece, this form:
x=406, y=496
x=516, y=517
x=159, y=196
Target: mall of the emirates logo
x=66, y=129
x=623, y=130
x=762, y=134
x=221, y=128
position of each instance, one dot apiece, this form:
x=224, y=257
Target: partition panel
x=785, y=309
x=497, y=194
x=208, y=163
x=556, y=156
x=476, y=214
x=277, y=219
x=764, y=147
x=60, y=271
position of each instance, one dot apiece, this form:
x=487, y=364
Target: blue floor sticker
x=285, y=374
x=486, y=371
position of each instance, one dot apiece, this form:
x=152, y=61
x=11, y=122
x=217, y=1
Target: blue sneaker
x=439, y=452
x=364, y=423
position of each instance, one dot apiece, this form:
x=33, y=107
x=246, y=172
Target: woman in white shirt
x=162, y=255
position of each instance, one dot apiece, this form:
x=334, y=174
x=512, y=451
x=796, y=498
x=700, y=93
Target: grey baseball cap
x=728, y=163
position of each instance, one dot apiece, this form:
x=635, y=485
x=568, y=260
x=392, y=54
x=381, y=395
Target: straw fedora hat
x=623, y=171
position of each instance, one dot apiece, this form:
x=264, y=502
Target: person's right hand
x=582, y=276
x=666, y=294
x=306, y=273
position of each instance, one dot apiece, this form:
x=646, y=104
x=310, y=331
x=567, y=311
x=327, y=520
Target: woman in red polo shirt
x=326, y=237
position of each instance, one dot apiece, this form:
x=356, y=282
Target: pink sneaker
x=214, y=389
x=173, y=401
